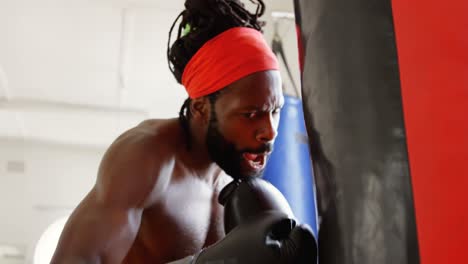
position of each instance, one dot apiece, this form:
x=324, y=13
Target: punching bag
x=353, y=111
x=385, y=92
x=290, y=168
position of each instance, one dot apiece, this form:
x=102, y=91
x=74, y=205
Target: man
x=155, y=198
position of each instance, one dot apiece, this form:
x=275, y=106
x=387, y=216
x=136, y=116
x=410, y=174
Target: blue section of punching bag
x=290, y=166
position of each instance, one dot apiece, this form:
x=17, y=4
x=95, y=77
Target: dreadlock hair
x=201, y=21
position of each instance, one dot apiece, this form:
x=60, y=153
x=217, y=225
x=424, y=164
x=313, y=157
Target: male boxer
x=155, y=198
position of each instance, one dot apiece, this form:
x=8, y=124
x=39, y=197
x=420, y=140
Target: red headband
x=226, y=58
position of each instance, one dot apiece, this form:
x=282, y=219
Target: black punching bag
x=353, y=110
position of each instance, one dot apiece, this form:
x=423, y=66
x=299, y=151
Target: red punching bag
x=432, y=43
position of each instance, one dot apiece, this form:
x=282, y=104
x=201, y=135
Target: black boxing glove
x=244, y=198
x=260, y=228
x=269, y=237
x=247, y=198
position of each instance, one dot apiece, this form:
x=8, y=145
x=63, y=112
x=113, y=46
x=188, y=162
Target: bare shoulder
x=152, y=131
x=139, y=163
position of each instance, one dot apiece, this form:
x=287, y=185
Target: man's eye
x=250, y=115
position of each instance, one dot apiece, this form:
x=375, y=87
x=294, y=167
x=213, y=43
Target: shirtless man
x=155, y=198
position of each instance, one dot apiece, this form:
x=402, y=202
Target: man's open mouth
x=256, y=161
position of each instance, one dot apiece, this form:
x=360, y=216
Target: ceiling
x=79, y=72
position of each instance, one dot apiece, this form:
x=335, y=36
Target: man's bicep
x=97, y=232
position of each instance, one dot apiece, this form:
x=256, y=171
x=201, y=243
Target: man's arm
x=97, y=232
x=104, y=225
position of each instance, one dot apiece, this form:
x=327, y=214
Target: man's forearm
x=186, y=260
x=75, y=260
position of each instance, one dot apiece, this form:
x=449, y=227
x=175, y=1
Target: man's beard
x=226, y=154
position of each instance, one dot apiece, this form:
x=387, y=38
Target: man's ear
x=199, y=108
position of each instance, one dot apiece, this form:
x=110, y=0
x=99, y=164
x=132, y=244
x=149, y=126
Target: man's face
x=243, y=124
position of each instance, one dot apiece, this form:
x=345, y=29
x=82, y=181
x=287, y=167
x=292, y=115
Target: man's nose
x=267, y=131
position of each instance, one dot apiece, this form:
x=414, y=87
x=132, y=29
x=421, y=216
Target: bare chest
x=188, y=219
